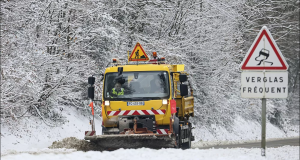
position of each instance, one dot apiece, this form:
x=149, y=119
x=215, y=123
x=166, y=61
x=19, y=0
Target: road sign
x=264, y=84
x=264, y=54
x=138, y=54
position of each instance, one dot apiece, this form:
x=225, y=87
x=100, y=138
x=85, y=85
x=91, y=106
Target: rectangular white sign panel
x=264, y=84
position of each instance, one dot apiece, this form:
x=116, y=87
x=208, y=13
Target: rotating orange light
x=154, y=54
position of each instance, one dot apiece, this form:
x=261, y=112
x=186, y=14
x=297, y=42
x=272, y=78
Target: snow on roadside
x=243, y=130
x=281, y=153
x=33, y=134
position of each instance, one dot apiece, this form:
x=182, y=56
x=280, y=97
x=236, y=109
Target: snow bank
x=282, y=153
x=33, y=134
x=243, y=130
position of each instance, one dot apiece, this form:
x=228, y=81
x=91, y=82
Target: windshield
x=136, y=86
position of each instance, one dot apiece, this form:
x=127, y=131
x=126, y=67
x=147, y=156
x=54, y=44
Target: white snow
x=33, y=135
x=282, y=153
x=32, y=138
x=244, y=130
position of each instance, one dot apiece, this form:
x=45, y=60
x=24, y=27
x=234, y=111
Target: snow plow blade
x=117, y=141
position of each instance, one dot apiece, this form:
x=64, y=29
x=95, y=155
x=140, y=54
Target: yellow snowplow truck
x=144, y=105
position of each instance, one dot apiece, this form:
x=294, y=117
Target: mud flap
x=185, y=135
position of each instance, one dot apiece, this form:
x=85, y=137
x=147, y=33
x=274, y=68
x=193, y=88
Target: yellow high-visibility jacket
x=115, y=93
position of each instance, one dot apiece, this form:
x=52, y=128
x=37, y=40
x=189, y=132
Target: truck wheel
x=176, y=131
x=187, y=145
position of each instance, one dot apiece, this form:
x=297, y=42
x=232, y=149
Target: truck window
x=145, y=85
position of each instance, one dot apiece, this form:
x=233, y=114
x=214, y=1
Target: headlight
x=164, y=101
x=106, y=103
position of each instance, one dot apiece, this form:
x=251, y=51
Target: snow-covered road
x=271, y=143
x=282, y=153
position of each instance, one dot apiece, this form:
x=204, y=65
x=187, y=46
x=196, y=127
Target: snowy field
x=282, y=153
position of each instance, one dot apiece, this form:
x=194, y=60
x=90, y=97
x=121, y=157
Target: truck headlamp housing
x=164, y=101
x=106, y=103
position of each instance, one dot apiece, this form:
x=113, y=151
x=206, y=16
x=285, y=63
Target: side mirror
x=120, y=70
x=182, y=78
x=91, y=91
x=91, y=80
x=183, y=90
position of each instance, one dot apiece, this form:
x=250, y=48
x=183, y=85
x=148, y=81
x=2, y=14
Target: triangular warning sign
x=138, y=54
x=264, y=54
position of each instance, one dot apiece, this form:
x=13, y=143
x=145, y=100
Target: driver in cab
x=117, y=91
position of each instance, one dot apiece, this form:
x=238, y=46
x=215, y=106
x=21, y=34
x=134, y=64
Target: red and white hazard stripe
x=90, y=133
x=162, y=131
x=136, y=112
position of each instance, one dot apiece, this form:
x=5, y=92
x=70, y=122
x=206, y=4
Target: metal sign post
x=93, y=126
x=263, y=127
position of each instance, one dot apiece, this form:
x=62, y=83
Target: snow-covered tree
x=50, y=47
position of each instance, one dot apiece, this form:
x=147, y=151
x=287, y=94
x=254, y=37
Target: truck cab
x=149, y=98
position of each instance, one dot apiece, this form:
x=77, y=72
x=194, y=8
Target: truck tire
x=187, y=145
x=176, y=131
